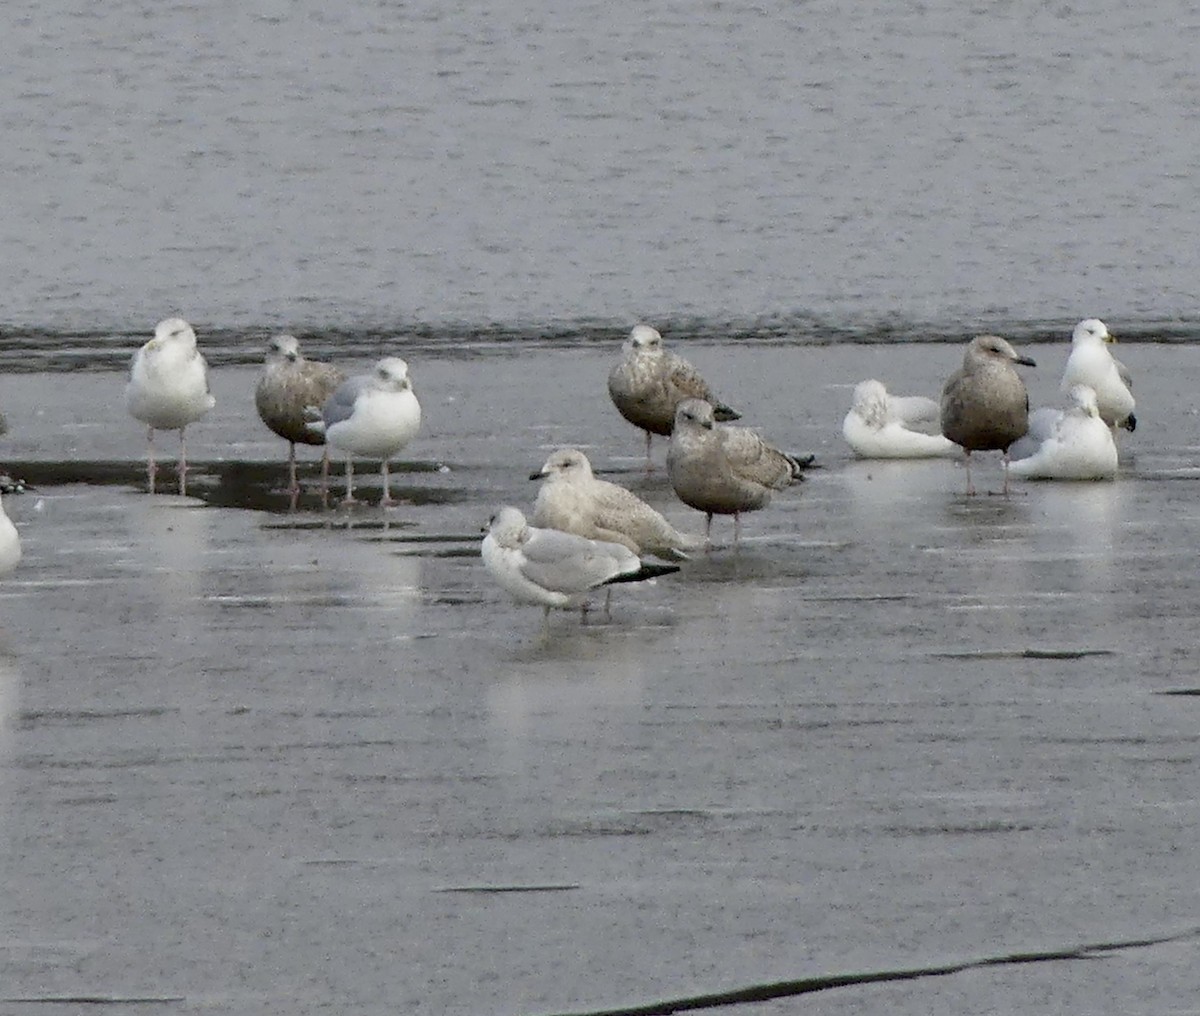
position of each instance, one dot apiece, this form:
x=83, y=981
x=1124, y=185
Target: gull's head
x=1084, y=397
x=991, y=349
x=507, y=527
x=283, y=349
x=392, y=373
x=694, y=413
x=1092, y=332
x=566, y=464
x=870, y=402
x=643, y=341
x=172, y=330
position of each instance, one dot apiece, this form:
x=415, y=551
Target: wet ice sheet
x=245, y=753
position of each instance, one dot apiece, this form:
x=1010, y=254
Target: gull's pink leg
x=151, y=467
x=349, y=498
x=387, y=501
x=293, y=483
x=182, y=463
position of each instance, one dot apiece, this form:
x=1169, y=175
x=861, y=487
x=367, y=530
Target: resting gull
x=573, y=500
x=649, y=383
x=984, y=404
x=555, y=569
x=1091, y=364
x=288, y=388
x=723, y=470
x=10, y=543
x=883, y=426
x=168, y=388
x=1068, y=444
x=373, y=415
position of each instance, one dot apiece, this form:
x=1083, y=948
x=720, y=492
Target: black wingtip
x=723, y=414
x=646, y=571
x=1130, y=423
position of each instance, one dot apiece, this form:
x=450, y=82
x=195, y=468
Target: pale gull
x=723, y=470
x=649, y=383
x=551, y=568
x=573, y=500
x=884, y=426
x=1091, y=364
x=288, y=388
x=373, y=415
x=984, y=404
x=10, y=543
x=1070, y=444
x=168, y=388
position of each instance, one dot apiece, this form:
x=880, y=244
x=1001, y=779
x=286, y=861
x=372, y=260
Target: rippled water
x=398, y=165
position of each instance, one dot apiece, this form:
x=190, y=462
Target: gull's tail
x=646, y=571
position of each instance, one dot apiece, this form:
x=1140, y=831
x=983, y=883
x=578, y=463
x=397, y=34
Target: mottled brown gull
x=1091, y=364
x=555, y=569
x=288, y=390
x=168, y=389
x=573, y=500
x=984, y=403
x=723, y=470
x=650, y=382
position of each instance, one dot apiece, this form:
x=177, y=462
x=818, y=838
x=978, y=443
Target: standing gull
x=723, y=470
x=984, y=403
x=290, y=385
x=649, y=383
x=1068, y=444
x=10, y=543
x=373, y=415
x=883, y=426
x=1091, y=364
x=168, y=388
x=555, y=569
x=573, y=500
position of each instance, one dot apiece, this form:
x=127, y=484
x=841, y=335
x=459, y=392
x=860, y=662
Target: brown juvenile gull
x=168, y=388
x=984, y=404
x=288, y=390
x=724, y=470
x=572, y=500
x=649, y=383
x=553, y=568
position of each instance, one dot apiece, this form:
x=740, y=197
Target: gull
x=373, y=415
x=10, y=543
x=1068, y=444
x=984, y=403
x=572, y=500
x=881, y=426
x=551, y=568
x=168, y=388
x=1091, y=364
x=649, y=383
x=723, y=470
x=287, y=390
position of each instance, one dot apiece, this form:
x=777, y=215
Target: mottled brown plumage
x=649, y=383
x=724, y=470
x=290, y=389
x=985, y=406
